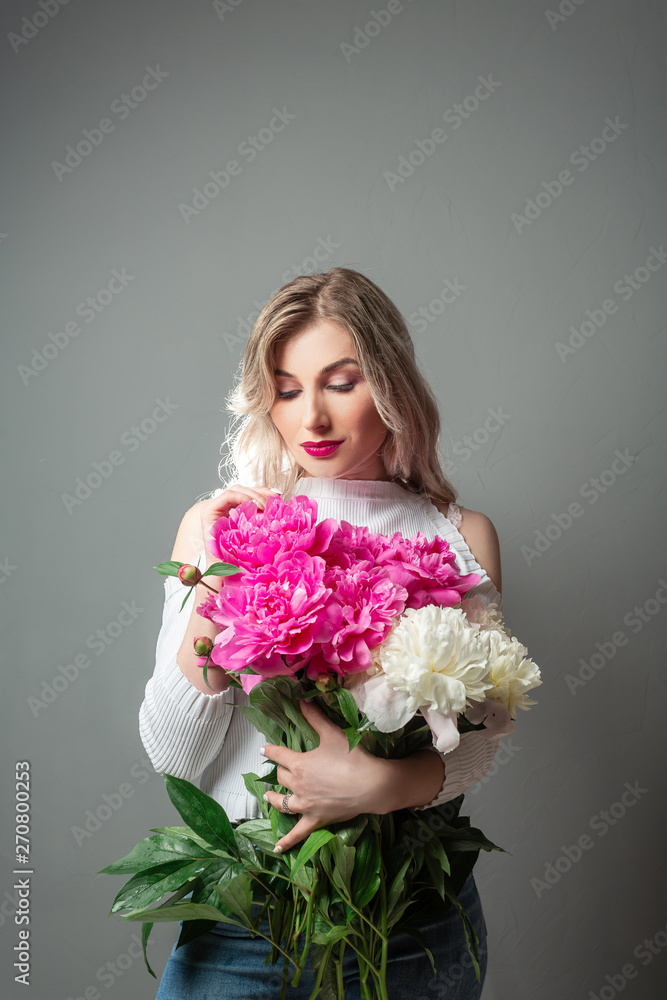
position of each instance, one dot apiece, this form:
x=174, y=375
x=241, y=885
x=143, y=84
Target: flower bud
x=203, y=645
x=189, y=575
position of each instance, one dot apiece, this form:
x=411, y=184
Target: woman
x=335, y=408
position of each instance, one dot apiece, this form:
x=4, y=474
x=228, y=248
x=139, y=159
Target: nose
x=314, y=415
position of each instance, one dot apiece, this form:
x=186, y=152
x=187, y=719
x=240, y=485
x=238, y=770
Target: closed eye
x=336, y=388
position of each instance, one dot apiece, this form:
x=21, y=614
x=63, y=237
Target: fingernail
x=272, y=489
x=277, y=849
x=261, y=750
x=265, y=797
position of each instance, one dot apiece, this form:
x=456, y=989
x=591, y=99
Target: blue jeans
x=227, y=962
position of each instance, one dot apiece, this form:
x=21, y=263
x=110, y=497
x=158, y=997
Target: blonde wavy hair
x=257, y=454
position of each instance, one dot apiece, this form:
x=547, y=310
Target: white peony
x=436, y=658
x=483, y=613
x=512, y=674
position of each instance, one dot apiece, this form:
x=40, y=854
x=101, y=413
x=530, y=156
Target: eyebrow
x=322, y=371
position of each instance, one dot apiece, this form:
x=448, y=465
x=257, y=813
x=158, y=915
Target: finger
x=275, y=799
x=299, y=832
x=278, y=754
x=236, y=495
x=318, y=719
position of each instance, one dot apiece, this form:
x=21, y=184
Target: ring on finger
x=286, y=809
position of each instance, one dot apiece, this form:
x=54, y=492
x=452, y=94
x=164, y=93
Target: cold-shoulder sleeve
x=182, y=729
x=464, y=766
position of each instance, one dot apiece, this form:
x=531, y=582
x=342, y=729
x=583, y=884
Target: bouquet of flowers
x=363, y=623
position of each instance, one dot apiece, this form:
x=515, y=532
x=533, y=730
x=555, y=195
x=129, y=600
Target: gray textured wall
x=523, y=239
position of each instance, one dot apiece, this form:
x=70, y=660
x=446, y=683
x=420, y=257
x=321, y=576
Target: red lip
x=320, y=449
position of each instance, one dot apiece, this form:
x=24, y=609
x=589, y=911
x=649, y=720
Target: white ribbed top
x=199, y=736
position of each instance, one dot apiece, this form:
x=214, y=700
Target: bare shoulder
x=190, y=538
x=481, y=537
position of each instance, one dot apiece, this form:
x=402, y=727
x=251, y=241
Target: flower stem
x=339, y=970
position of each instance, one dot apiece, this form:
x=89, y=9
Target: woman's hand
x=211, y=510
x=330, y=783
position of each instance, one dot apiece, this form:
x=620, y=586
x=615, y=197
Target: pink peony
x=250, y=538
x=364, y=604
x=278, y=610
x=427, y=570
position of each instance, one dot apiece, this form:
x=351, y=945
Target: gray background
x=170, y=335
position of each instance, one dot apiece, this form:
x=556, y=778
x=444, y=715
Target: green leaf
x=268, y=700
x=237, y=896
x=181, y=911
x=202, y=813
x=263, y=723
x=353, y=737
x=256, y=787
x=155, y=851
x=280, y=822
x=203, y=887
x=438, y=850
x=221, y=569
x=190, y=931
x=147, y=887
x=418, y=936
x=259, y=832
x=436, y=872
x=169, y=568
x=396, y=887
x=343, y=857
x=348, y=706
x=366, y=873
x=473, y=950
x=330, y=936
x=145, y=934
x=176, y=831
x=352, y=830
x=317, y=839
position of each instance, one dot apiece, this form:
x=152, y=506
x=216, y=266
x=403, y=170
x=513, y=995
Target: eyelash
x=337, y=388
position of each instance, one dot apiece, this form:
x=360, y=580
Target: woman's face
x=313, y=404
